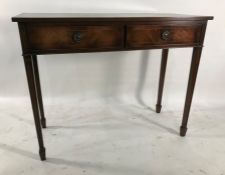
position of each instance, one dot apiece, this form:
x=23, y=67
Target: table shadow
x=85, y=165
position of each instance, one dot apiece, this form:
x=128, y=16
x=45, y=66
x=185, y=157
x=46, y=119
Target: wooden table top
x=28, y=17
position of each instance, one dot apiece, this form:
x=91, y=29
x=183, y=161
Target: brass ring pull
x=77, y=36
x=165, y=35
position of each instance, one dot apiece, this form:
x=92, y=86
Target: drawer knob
x=165, y=35
x=77, y=36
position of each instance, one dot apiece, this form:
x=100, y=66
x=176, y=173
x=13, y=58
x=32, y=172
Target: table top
x=35, y=17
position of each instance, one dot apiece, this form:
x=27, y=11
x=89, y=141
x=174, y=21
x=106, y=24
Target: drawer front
x=47, y=37
x=141, y=36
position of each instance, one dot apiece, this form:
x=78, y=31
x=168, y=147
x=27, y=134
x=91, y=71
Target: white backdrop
x=117, y=75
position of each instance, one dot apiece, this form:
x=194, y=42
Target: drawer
x=58, y=37
x=144, y=36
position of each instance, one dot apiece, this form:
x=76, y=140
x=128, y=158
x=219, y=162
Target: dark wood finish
x=190, y=90
x=78, y=17
x=50, y=37
x=139, y=36
x=161, y=79
x=38, y=91
x=47, y=38
x=191, y=82
x=32, y=89
x=78, y=32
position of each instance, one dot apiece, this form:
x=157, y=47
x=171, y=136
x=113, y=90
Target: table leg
x=161, y=79
x=38, y=91
x=190, y=89
x=33, y=95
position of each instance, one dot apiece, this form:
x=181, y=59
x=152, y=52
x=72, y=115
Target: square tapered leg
x=34, y=102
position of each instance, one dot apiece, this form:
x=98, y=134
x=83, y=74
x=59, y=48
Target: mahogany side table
x=51, y=33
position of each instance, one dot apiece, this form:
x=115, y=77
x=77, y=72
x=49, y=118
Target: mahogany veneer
x=51, y=33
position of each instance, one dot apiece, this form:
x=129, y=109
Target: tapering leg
x=161, y=79
x=38, y=91
x=28, y=60
x=190, y=89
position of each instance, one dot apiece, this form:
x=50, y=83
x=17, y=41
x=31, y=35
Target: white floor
x=110, y=138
